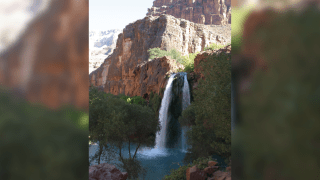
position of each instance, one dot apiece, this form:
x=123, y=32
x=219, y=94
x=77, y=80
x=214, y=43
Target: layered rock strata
x=119, y=74
x=49, y=63
x=216, y=12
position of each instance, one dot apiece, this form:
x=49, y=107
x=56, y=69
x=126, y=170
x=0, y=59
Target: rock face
x=49, y=63
x=101, y=45
x=209, y=173
x=216, y=12
x=119, y=74
x=106, y=171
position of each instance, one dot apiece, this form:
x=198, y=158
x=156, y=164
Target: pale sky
x=116, y=14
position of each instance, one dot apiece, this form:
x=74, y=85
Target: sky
x=116, y=14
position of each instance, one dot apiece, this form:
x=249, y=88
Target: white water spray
x=163, y=114
x=185, y=104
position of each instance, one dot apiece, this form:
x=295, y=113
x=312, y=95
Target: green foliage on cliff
x=280, y=116
x=39, y=143
x=186, y=61
x=157, y=53
x=155, y=102
x=116, y=122
x=214, y=46
x=188, y=116
x=210, y=113
x=133, y=100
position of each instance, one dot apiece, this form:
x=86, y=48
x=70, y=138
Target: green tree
x=210, y=113
x=99, y=110
x=117, y=122
x=214, y=46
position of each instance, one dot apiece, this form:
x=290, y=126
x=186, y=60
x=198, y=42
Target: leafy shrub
x=138, y=100
x=187, y=61
x=188, y=116
x=214, y=46
x=156, y=53
x=155, y=102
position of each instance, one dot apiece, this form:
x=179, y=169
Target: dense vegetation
x=187, y=61
x=280, y=116
x=116, y=120
x=39, y=143
x=209, y=114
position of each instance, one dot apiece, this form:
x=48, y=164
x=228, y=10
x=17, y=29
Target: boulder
x=193, y=173
x=219, y=175
x=106, y=171
x=209, y=170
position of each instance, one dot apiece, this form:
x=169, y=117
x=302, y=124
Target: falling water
x=163, y=114
x=186, y=93
x=185, y=104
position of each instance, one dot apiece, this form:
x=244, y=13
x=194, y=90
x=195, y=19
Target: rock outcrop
x=106, y=171
x=49, y=63
x=211, y=172
x=216, y=12
x=119, y=74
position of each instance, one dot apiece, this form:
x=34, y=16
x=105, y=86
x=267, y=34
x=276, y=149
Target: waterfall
x=186, y=93
x=185, y=104
x=163, y=114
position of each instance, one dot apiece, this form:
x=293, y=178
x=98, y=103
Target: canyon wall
x=120, y=71
x=217, y=12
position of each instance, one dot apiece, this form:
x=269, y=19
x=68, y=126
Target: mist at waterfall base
x=170, y=145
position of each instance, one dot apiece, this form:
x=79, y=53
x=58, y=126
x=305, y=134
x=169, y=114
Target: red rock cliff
x=216, y=12
x=128, y=69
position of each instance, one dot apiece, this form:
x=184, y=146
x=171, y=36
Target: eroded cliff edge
x=128, y=69
x=217, y=12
